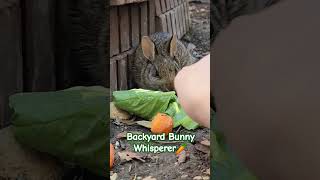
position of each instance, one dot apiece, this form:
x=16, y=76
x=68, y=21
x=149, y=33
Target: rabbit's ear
x=148, y=48
x=173, y=45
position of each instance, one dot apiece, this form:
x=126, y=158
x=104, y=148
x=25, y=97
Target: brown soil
x=161, y=166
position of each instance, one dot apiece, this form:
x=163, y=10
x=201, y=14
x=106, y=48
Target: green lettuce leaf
x=146, y=104
x=180, y=117
x=143, y=103
x=69, y=124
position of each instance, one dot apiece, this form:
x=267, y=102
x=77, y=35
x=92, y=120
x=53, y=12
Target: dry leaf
x=128, y=156
x=114, y=176
x=182, y=157
x=205, y=142
x=116, y=113
x=149, y=178
x=127, y=122
x=146, y=124
x=185, y=176
x=202, y=148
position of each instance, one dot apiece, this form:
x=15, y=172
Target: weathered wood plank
x=178, y=19
x=81, y=37
x=183, y=19
x=175, y=3
x=122, y=55
x=163, y=6
x=168, y=5
x=171, y=4
x=161, y=23
x=130, y=77
x=124, y=28
x=158, y=7
x=144, y=19
x=39, y=56
x=186, y=12
x=122, y=2
x=173, y=22
x=135, y=26
x=114, y=32
x=122, y=72
x=169, y=25
x=11, y=77
x=113, y=76
x=152, y=25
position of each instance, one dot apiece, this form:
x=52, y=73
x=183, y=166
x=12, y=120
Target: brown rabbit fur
x=158, y=59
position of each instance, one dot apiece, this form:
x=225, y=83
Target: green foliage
x=146, y=104
x=69, y=124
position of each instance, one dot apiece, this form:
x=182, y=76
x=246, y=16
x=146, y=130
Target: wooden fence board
x=130, y=75
x=168, y=5
x=171, y=4
x=161, y=23
x=11, y=61
x=135, y=23
x=175, y=3
x=158, y=7
x=114, y=31
x=144, y=19
x=39, y=43
x=124, y=28
x=122, y=72
x=151, y=17
x=183, y=19
x=178, y=25
x=173, y=22
x=87, y=41
x=113, y=76
x=169, y=25
x=163, y=6
x=186, y=15
x=63, y=57
x=122, y=2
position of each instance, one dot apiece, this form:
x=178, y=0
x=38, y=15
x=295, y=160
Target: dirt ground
x=163, y=166
x=199, y=35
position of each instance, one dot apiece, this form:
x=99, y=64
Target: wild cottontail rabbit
x=158, y=59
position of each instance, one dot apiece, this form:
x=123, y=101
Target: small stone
x=197, y=178
x=191, y=46
x=185, y=176
x=117, y=145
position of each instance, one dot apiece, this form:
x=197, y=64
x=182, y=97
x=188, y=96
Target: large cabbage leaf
x=146, y=104
x=69, y=124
